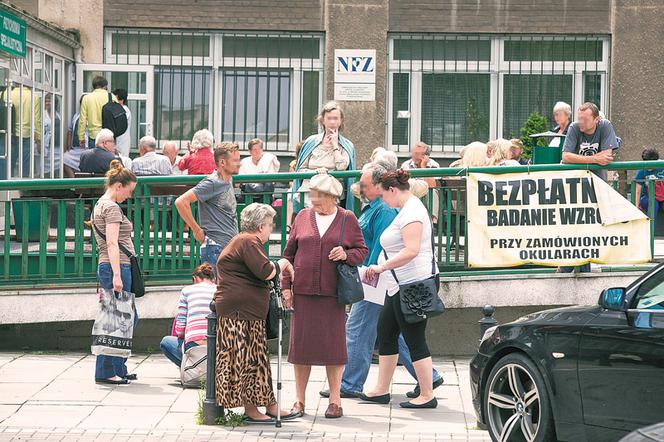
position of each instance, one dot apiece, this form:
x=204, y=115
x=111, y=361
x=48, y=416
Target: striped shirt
x=193, y=309
x=151, y=163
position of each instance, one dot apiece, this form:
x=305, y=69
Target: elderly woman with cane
x=320, y=238
x=243, y=375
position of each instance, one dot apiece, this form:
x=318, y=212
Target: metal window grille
x=451, y=89
x=239, y=85
x=34, y=125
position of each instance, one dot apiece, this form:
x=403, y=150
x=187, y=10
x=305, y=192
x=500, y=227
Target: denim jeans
x=13, y=168
x=171, y=346
x=109, y=366
x=361, y=332
x=659, y=205
x=210, y=254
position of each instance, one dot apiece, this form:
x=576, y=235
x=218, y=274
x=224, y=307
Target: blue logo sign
x=355, y=64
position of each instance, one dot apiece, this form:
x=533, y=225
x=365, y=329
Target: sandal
x=297, y=410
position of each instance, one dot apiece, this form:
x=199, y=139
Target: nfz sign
x=355, y=64
x=355, y=74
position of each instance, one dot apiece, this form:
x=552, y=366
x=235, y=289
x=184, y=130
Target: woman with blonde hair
x=472, y=155
x=501, y=153
x=112, y=230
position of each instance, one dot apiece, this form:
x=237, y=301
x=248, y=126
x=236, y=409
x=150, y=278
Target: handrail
x=67, y=183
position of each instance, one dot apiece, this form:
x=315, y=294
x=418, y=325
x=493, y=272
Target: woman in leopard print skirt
x=243, y=377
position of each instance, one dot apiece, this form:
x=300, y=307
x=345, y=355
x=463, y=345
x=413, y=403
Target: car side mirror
x=613, y=299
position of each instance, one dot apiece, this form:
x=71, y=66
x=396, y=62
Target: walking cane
x=282, y=313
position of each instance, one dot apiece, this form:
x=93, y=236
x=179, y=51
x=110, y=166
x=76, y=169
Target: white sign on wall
x=355, y=74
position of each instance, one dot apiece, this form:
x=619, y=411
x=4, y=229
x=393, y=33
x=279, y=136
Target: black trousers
x=391, y=323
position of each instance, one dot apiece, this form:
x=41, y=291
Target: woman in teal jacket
x=328, y=150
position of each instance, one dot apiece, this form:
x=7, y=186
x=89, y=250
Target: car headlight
x=488, y=333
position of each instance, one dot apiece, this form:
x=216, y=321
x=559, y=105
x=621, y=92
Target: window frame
x=497, y=67
x=218, y=64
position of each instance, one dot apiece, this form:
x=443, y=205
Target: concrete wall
x=87, y=16
x=293, y=15
x=39, y=321
x=637, y=105
x=359, y=24
x=30, y=6
x=498, y=16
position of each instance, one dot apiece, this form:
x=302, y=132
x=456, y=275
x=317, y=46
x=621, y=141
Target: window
x=525, y=94
x=166, y=44
x=256, y=104
x=182, y=102
x=460, y=48
x=455, y=109
x=239, y=85
x=266, y=46
x=400, y=108
x=310, y=93
x=450, y=89
x=528, y=49
x=592, y=87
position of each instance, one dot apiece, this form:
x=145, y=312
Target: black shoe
x=380, y=399
x=132, y=377
x=416, y=392
x=433, y=403
x=111, y=381
x=344, y=394
x=287, y=417
x=251, y=420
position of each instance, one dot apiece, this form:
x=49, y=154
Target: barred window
x=450, y=89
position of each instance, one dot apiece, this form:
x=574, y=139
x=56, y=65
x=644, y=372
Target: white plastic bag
x=113, y=330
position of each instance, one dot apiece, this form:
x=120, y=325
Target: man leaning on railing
x=590, y=140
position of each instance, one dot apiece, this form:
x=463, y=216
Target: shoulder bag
x=349, y=284
x=419, y=300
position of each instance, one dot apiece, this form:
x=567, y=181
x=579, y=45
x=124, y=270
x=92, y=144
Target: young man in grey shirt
x=216, y=205
x=590, y=140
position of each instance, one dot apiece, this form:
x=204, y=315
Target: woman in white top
x=407, y=245
x=258, y=161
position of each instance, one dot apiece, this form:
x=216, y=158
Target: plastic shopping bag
x=113, y=330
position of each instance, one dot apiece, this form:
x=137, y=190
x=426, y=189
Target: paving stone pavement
x=54, y=397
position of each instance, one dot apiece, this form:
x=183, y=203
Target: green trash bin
x=548, y=154
x=29, y=210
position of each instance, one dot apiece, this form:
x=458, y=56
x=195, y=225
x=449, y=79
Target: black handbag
x=419, y=300
x=274, y=310
x=137, y=281
x=349, y=284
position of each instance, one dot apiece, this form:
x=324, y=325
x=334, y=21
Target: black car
x=577, y=373
x=653, y=433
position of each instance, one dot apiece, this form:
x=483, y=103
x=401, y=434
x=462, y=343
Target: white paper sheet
x=375, y=295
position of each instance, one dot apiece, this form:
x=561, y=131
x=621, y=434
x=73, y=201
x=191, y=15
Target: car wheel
x=516, y=402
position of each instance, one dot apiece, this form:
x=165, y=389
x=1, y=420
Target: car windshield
x=651, y=293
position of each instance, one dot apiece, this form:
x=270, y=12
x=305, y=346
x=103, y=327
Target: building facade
x=446, y=72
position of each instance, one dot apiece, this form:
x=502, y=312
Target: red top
x=315, y=274
x=200, y=162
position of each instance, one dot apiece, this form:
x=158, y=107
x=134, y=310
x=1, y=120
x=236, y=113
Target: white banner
x=561, y=218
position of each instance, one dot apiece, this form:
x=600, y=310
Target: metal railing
x=50, y=244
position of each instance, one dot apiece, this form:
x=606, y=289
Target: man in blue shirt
x=361, y=326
